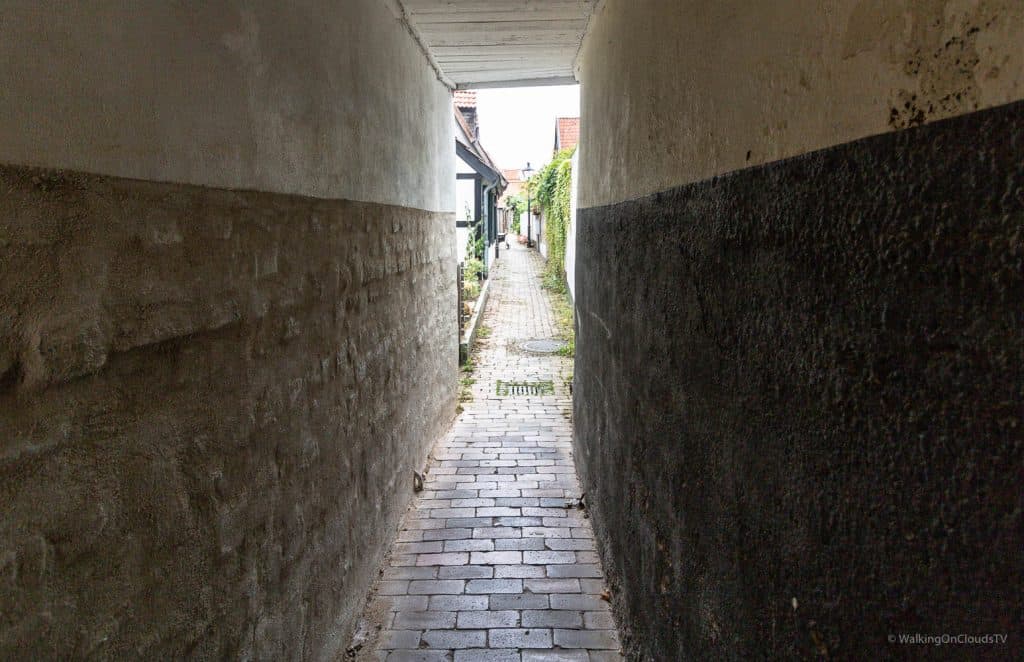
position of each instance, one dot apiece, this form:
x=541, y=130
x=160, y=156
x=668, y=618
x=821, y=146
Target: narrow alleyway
x=494, y=560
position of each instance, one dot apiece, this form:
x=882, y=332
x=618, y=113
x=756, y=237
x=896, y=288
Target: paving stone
x=508, y=544
x=465, y=572
x=545, y=493
x=550, y=586
x=574, y=570
x=447, y=534
x=605, y=656
x=546, y=532
x=520, y=638
x=519, y=601
x=427, y=504
x=548, y=557
x=518, y=521
x=555, y=655
x=469, y=522
x=452, y=512
x=598, y=620
x=399, y=639
x=498, y=512
x=435, y=586
x=516, y=502
x=488, y=619
x=565, y=544
x=551, y=618
x=487, y=655
x=418, y=547
x=578, y=602
x=470, y=545
x=560, y=521
x=418, y=656
x=457, y=494
x=544, y=512
x=423, y=620
x=447, y=558
x=409, y=572
x=455, y=638
x=423, y=524
x=497, y=532
x=495, y=586
x=488, y=486
x=519, y=571
x=458, y=602
x=496, y=493
x=588, y=639
x=472, y=503
x=490, y=558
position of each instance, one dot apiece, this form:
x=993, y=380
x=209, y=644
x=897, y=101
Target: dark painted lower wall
x=211, y=403
x=799, y=399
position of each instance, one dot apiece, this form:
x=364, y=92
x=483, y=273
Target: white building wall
x=464, y=200
x=288, y=97
x=570, y=232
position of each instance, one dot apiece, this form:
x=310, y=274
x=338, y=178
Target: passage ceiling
x=496, y=43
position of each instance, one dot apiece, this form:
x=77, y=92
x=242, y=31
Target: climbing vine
x=516, y=205
x=552, y=189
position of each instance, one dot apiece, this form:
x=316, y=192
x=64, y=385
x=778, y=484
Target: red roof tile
x=568, y=132
x=465, y=99
x=512, y=174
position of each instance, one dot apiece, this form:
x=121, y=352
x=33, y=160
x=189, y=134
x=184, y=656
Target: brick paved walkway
x=490, y=563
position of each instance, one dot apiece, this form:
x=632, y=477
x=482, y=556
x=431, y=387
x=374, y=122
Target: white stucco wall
x=677, y=91
x=532, y=227
x=570, y=232
x=314, y=97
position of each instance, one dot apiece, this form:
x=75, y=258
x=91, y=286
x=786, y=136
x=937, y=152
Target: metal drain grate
x=525, y=388
x=542, y=345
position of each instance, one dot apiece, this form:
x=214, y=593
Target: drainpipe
x=487, y=203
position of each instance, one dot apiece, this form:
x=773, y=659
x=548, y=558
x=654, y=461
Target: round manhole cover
x=543, y=346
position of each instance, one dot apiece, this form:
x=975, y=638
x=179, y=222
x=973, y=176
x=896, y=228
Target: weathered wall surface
x=798, y=382
x=290, y=97
x=211, y=400
x=798, y=398
x=211, y=403
x=676, y=91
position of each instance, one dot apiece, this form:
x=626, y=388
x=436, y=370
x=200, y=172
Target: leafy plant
x=561, y=306
x=552, y=188
x=473, y=269
x=516, y=205
x=475, y=243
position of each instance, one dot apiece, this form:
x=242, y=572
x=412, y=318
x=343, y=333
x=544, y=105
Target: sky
x=518, y=124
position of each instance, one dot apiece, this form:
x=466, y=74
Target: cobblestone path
x=494, y=560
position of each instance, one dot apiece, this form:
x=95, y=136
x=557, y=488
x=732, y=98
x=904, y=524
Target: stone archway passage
x=495, y=559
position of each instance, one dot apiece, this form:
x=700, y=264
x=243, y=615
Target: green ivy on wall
x=552, y=189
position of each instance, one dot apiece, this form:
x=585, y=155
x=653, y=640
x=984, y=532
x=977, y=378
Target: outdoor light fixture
x=527, y=171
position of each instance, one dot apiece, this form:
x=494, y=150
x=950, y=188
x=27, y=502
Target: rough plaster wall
x=676, y=91
x=798, y=397
x=315, y=97
x=570, y=234
x=211, y=403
